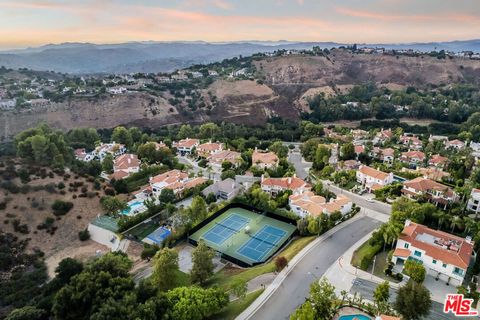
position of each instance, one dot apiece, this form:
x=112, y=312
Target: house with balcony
x=473, y=203
x=186, y=146
x=216, y=159
x=435, y=192
x=264, y=159
x=413, y=158
x=207, y=149
x=125, y=165
x=386, y=155
x=307, y=204
x=438, y=161
x=444, y=256
x=372, y=179
x=274, y=186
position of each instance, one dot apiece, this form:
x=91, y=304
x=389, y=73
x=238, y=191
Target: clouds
x=34, y=22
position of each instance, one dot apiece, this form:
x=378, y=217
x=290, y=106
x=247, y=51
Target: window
x=458, y=271
x=406, y=245
x=434, y=261
x=417, y=253
x=444, y=265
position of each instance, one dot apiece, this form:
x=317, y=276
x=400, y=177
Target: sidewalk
x=341, y=274
x=270, y=290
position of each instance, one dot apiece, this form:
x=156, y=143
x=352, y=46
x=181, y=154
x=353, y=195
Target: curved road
x=295, y=288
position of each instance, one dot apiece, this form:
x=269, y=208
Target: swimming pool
x=354, y=317
x=132, y=207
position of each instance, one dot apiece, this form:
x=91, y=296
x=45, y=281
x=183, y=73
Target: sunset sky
x=26, y=23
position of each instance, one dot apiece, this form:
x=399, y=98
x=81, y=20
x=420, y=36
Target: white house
x=186, y=146
x=373, y=179
x=117, y=90
x=474, y=201
x=432, y=190
x=444, y=256
x=115, y=149
x=125, y=165
x=308, y=204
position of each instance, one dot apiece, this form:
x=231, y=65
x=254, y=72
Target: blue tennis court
x=226, y=228
x=261, y=243
x=159, y=235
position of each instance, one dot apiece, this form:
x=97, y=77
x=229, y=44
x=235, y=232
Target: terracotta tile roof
x=399, y=252
x=209, y=147
x=421, y=184
x=291, y=183
x=438, y=159
x=433, y=173
x=194, y=182
x=119, y=175
x=359, y=149
x=413, y=155
x=186, y=143
x=264, y=157
x=160, y=145
x=126, y=161
x=374, y=173
x=389, y=152
x=169, y=177
x=317, y=205
x=460, y=251
x=225, y=155
x=385, y=317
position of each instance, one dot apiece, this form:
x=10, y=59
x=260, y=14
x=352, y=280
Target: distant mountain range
x=151, y=56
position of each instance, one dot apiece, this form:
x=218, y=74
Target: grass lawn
x=362, y=251
x=183, y=279
x=380, y=265
x=236, y=307
x=226, y=276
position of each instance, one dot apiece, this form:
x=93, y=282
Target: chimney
x=262, y=178
x=468, y=239
x=289, y=180
x=407, y=222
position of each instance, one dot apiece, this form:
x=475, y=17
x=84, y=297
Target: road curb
x=270, y=290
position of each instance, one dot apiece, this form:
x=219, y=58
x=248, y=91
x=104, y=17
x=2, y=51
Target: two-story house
x=207, y=149
x=186, y=146
x=413, y=158
x=125, y=165
x=435, y=192
x=308, y=204
x=273, y=186
x=444, y=256
x=373, y=179
x=473, y=203
x=264, y=159
x=438, y=161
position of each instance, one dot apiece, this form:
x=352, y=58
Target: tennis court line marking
x=255, y=237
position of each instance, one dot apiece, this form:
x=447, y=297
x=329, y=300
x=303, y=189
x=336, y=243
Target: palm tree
x=469, y=224
x=441, y=217
x=457, y=222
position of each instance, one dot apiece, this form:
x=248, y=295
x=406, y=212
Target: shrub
x=61, y=208
x=280, y=263
x=84, y=235
x=61, y=185
x=399, y=276
x=368, y=255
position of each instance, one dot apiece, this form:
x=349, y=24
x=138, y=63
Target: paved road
x=301, y=169
x=366, y=288
x=295, y=287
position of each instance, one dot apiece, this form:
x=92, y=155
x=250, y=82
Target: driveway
x=295, y=288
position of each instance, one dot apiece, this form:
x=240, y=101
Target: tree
x=122, y=135
x=103, y=279
x=165, y=269
x=112, y=204
x=203, y=266
x=322, y=154
x=67, y=268
x=198, y=209
x=413, y=301
x=26, y=313
x=382, y=293
x=347, y=151
x=321, y=304
x=415, y=270
x=239, y=288
x=280, y=263
x=107, y=163
x=185, y=131
x=280, y=150
x=209, y=130
x=305, y=312
x=167, y=196
x=193, y=303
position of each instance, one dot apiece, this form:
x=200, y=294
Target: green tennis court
x=245, y=235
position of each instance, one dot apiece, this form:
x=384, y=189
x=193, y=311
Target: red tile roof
x=264, y=157
x=459, y=257
x=374, y=173
x=126, y=161
x=291, y=183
